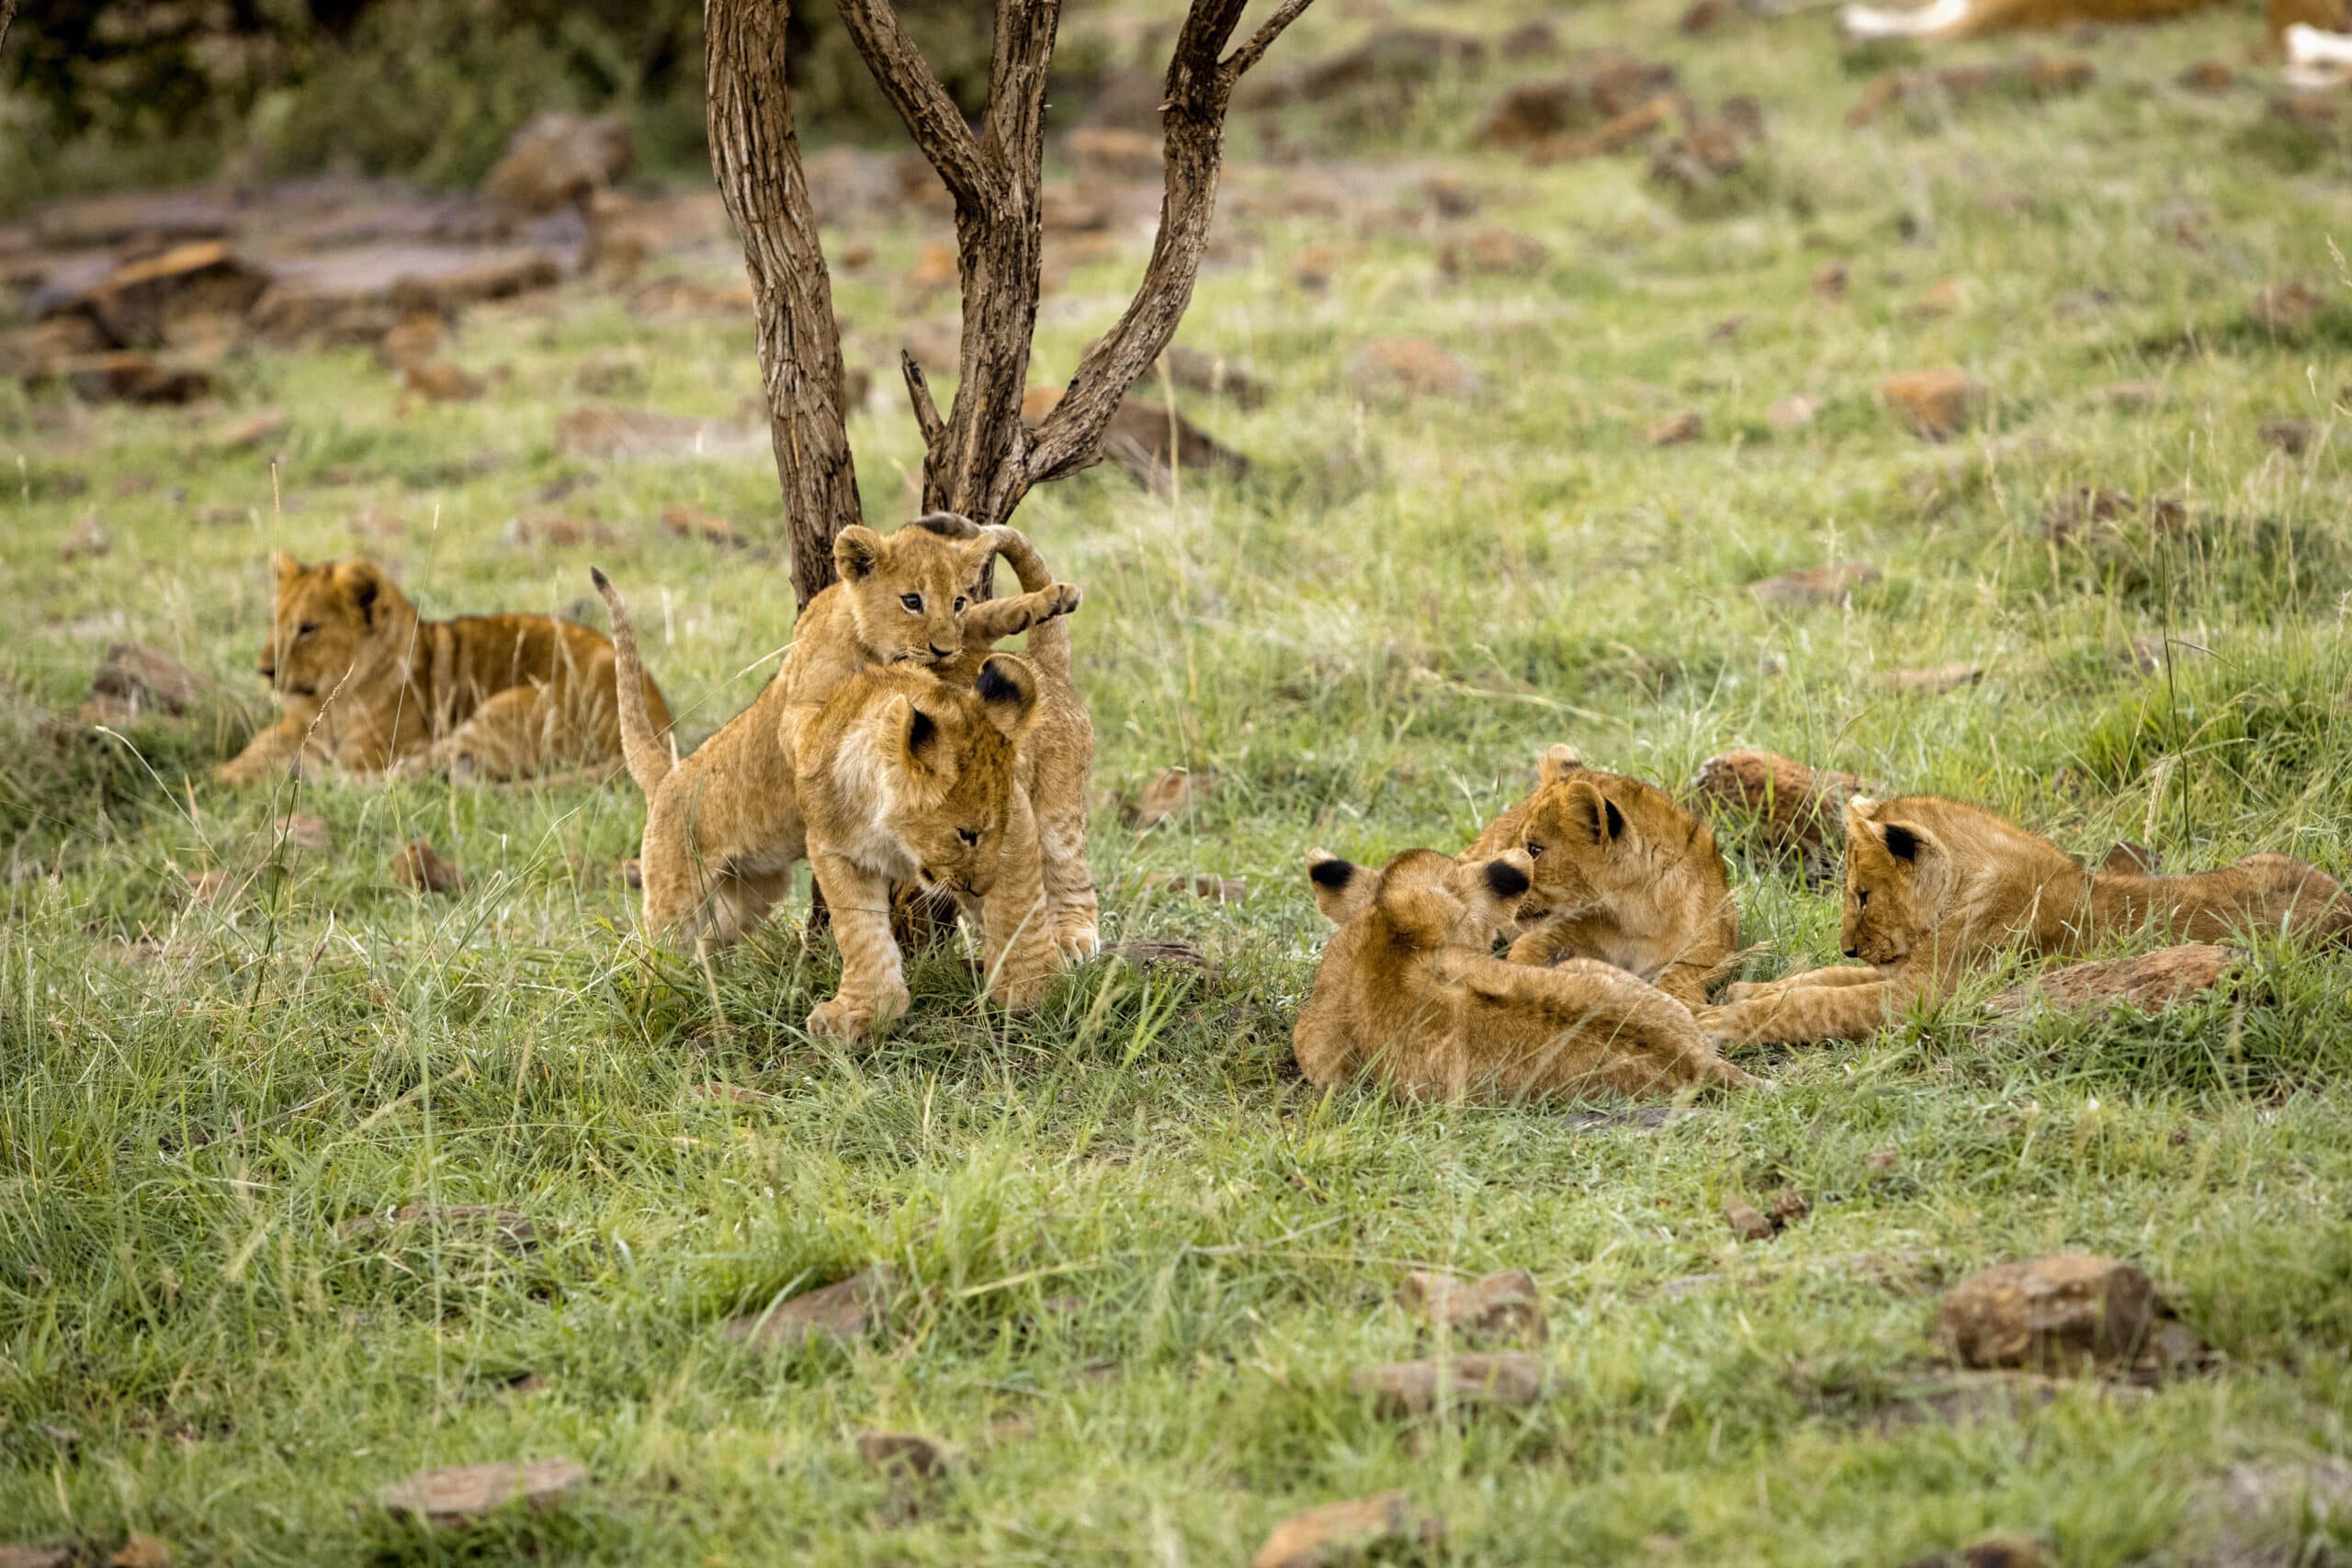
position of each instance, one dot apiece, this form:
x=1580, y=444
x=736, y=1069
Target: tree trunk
x=755, y=153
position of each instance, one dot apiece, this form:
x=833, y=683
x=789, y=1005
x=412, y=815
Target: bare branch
x=918, y=394
x=914, y=90
x=7, y=15
x=1023, y=50
x=1249, y=54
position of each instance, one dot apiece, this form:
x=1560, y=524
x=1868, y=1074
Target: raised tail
x=1049, y=640
x=649, y=760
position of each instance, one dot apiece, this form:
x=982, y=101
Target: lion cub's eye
x=1862, y=900
x=969, y=835
x=306, y=628
x=959, y=604
x=1533, y=848
x=912, y=602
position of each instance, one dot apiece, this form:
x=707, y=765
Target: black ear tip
x=995, y=686
x=1902, y=842
x=919, y=728
x=1507, y=880
x=1332, y=874
x=947, y=526
x=596, y=575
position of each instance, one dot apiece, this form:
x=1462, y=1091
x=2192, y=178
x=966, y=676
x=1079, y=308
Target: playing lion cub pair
x=1622, y=914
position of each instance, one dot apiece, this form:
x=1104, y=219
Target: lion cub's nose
x=1853, y=953
x=939, y=652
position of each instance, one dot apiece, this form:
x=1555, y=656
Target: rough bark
x=755, y=153
x=7, y=15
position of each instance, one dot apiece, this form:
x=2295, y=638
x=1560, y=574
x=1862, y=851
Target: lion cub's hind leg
x=506, y=738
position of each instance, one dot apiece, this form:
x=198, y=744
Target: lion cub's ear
x=947, y=526
x=285, y=568
x=363, y=582
x=1008, y=693
x=1592, y=814
x=917, y=731
x=1342, y=888
x=857, y=551
x=1558, y=763
x=1905, y=844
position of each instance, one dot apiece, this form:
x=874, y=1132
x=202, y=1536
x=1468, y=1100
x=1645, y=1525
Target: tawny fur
x=1934, y=886
x=366, y=684
x=905, y=777
x=1943, y=20
x=1623, y=875
x=1409, y=992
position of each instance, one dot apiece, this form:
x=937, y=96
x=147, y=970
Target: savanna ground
x=1143, y=1256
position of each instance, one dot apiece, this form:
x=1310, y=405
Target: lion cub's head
x=334, y=620
x=944, y=784
x=1597, y=841
x=1897, y=882
x=1429, y=900
x=909, y=588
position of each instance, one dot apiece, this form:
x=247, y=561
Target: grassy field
x=1141, y=1255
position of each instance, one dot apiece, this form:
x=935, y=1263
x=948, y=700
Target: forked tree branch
x=7, y=15
x=918, y=394
x=914, y=90
x=1249, y=54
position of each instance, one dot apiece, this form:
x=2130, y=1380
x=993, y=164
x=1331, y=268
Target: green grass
x=1370, y=642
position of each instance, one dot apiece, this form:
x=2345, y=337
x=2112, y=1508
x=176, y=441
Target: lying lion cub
x=1933, y=886
x=1408, y=992
x=905, y=777
x=1623, y=875
x=365, y=683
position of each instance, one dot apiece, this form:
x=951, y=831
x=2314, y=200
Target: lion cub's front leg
x=873, y=985
x=1841, y=975
x=995, y=618
x=1016, y=924
x=1852, y=1006
x=274, y=750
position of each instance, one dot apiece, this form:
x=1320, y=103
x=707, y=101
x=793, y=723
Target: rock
x=619, y=432
x=142, y=1552
x=633, y=872
x=2131, y=860
x=1797, y=807
x=414, y=340
x=682, y=522
x=359, y=296
x=1942, y=296
x=2286, y=309
x=419, y=867
x=1935, y=681
x=303, y=831
x=1502, y=1305
x=1793, y=412
x=2132, y=394
x=1786, y=1207
x=2147, y=982
x=1506, y=1379
x=1812, y=585
x=1747, y=1221
x=1105, y=152
x=555, y=529
x=132, y=680
x=1338, y=1534
x=437, y=380
x=1409, y=368
x=1170, y=794
x=2070, y=512
x=1615, y=134
x=1700, y=16
x=558, y=160
x=2208, y=77
x=1165, y=955
x=37, y=1556
x=501, y=1228
x=87, y=538
x=1675, y=429
x=1932, y=91
x=130, y=376
x=1149, y=442
x=1494, y=253
x=841, y=1312
x=1449, y=196
x=1936, y=404
x=467, y=1492
x=210, y=888
x=2292, y=436
x=1211, y=374
x=733, y=1093
x=1829, y=280
x=247, y=431
x=604, y=375
x=905, y=1453
x=1312, y=268
x=2313, y=114
x=1994, y=1552
x=1607, y=85
x=2067, y=1312
x=1397, y=62
x=1215, y=890
x=200, y=290
x=1711, y=150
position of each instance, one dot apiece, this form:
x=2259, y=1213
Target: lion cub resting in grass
x=1934, y=886
x=1622, y=874
x=1408, y=992
x=724, y=825
x=368, y=684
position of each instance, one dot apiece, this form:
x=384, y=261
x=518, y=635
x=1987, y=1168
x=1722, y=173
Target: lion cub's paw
x=1077, y=941
x=1066, y=597
x=1020, y=993
x=1744, y=990
x=855, y=1017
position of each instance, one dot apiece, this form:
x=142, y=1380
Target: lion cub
x=368, y=684
x=1934, y=885
x=1408, y=990
x=1623, y=875
x=906, y=777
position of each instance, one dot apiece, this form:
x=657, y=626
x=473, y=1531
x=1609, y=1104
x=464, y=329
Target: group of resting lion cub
x=892, y=746
x=1620, y=913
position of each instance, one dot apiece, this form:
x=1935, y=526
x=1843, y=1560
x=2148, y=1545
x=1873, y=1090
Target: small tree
x=979, y=459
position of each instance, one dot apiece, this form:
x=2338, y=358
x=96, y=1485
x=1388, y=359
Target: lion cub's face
x=951, y=799
x=329, y=618
x=909, y=588
x=1574, y=839
x=1895, y=877
x=1432, y=899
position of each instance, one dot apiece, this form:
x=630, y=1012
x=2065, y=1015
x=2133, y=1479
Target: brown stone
x=1394, y=62
x=1786, y=1207
x=1700, y=16
x=2207, y=76
x=1936, y=404
x=1807, y=586
x=2147, y=982
x=140, y=1551
x=1502, y=1305
x=1409, y=368
x=1105, y=152
x=358, y=295
x=185, y=291
x=247, y=431
x=2314, y=114
x=907, y=1454
x=1211, y=374
x=1606, y=84
x=555, y=529
x=464, y=1494
x=1747, y=1221
x=210, y=888
x=1151, y=443
x=130, y=377
x=733, y=1093
x=2133, y=395
x=1793, y=412
x=1615, y=134
x=2052, y=1315
x=37, y=1556
x=437, y=380
x=1942, y=296
x=1936, y=680
x=143, y=680
x=1675, y=430
x=1928, y=90
x=1830, y=279
x=419, y=867
x=681, y=521
x=557, y=160
x=87, y=538
x=1506, y=1379
x=1798, y=806
x=1994, y=1551
x=1338, y=1534
x=1494, y=253
x=1215, y=890
x=1148, y=954
x=1170, y=794
x=2286, y=309
x=2292, y=436
x=414, y=340
x=841, y=1312
x=301, y=831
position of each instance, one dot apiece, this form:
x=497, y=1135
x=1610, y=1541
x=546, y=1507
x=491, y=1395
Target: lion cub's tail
x=1049, y=640
x=649, y=760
